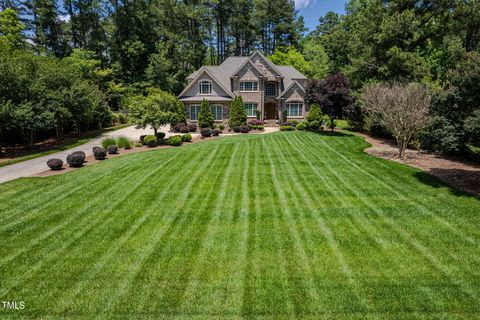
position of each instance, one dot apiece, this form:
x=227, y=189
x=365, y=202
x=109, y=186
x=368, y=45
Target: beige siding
x=217, y=90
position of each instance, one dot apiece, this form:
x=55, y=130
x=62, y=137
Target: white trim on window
x=205, y=87
x=194, y=111
x=217, y=111
x=294, y=109
x=251, y=109
x=248, y=86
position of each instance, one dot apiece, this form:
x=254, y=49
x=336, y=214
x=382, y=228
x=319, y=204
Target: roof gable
x=204, y=73
x=294, y=86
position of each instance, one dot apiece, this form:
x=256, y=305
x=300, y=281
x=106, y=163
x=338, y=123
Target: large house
x=266, y=89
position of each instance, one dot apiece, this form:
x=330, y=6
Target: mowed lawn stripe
x=401, y=195
x=416, y=245
x=114, y=253
x=341, y=179
x=243, y=227
x=296, y=187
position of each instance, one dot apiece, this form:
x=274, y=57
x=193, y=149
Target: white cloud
x=64, y=18
x=299, y=4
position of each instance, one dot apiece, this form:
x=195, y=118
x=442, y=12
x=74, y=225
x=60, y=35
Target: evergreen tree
x=238, y=116
x=205, y=116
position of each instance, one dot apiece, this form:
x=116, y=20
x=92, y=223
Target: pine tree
x=238, y=116
x=205, y=117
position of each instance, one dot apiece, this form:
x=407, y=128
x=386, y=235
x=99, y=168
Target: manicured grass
x=279, y=226
x=76, y=143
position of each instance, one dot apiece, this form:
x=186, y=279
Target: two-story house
x=266, y=89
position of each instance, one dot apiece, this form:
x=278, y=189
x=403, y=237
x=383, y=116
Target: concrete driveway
x=34, y=166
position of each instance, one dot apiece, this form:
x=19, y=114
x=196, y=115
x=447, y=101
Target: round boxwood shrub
x=175, y=141
x=184, y=129
x=142, y=139
x=301, y=126
x=55, y=164
x=112, y=149
x=287, y=128
x=75, y=160
x=244, y=129
x=81, y=153
x=206, y=132
x=187, y=137
x=178, y=126
x=314, y=125
x=99, y=153
x=216, y=132
x=236, y=129
x=260, y=127
x=150, y=141
x=192, y=127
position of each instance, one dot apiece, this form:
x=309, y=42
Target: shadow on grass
x=460, y=183
x=333, y=134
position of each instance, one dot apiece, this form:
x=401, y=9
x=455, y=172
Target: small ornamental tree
x=314, y=114
x=238, y=116
x=332, y=94
x=402, y=109
x=205, y=117
x=157, y=109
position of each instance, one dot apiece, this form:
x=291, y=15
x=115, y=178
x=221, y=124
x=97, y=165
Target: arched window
x=205, y=87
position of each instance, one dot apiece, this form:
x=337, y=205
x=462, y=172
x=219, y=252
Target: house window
x=250, y=109
x=194, y=110
x=217, y=112
x=248, y=86
x=270, y=89
x=205, y=87
x=294, y=109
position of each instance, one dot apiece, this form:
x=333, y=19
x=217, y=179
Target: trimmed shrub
x=206, y=132
x=138, y=145
x=236, y=129
x=216, y=132
x=244, y=129
x=221, y=127
x=314, y=125
x=178, y=126
x=100, y=153
x=175, y=141
x=55, y=164
x=261, y=128
x=124, y=143
x=150, y=141
x=255, y=123
x=75, y=160
x=80, y=153
x=301, y=126
x=287, y=128
x=142, y=139
x=112, y=149
x=108, y=142
x=184, y=129
x=187, y=137
x=192, y=127
x=315, y=114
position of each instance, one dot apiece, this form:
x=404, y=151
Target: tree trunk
x=332, y=124
x=155, y=130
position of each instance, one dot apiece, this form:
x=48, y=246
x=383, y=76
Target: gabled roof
x=198, y=74
x=293, y=83
x=223, y=73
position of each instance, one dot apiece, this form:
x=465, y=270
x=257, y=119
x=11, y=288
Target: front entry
x=270, y=111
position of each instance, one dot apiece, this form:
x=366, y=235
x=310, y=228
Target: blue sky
x=311, y=10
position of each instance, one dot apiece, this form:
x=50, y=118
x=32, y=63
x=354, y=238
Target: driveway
x=34, y=166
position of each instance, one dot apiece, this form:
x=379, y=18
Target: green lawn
x=292, y=224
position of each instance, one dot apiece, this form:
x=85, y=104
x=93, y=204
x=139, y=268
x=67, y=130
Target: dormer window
x=248, y=86
x=205, y=87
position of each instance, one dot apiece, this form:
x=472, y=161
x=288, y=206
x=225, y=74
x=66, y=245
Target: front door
x=270, y=111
